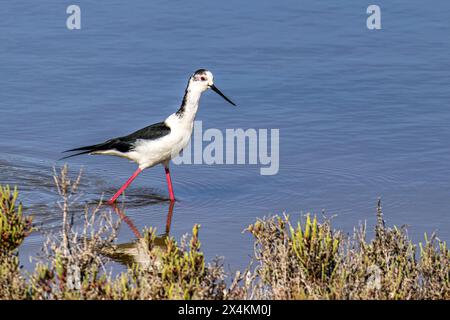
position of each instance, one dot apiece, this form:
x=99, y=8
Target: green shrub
x=13, y=226
x=313, y=262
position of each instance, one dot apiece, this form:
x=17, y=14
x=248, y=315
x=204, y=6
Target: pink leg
x=169, y=217
x=130, y=223
x=122, y=189
x=169, y=184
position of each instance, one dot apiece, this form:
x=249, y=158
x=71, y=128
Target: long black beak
x=214, y=88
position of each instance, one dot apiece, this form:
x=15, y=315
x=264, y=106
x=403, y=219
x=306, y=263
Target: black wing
x=125, y=143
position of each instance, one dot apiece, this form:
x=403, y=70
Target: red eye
x=203, y=78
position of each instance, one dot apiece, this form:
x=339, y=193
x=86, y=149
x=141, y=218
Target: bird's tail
x=84, y=150
x=74, y=155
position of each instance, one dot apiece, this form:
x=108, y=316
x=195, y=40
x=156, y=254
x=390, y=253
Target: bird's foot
x=111, y=202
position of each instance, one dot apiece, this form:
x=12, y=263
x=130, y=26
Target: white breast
x=148, y=153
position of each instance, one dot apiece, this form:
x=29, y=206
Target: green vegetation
x=13, y=226
x=313, y=262
x=13, y=230
x=309, y=260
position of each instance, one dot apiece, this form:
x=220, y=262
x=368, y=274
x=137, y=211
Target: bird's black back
x=126, y=143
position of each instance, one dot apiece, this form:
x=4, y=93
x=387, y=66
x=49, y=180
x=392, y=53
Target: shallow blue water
x=362, y=114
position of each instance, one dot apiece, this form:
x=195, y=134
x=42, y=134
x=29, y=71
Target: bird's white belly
x=148, y=153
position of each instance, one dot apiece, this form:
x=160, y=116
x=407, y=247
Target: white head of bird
x=203, y=80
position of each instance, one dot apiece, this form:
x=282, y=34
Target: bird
x=159, y=142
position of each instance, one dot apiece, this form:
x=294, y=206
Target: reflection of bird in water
x=137, y=251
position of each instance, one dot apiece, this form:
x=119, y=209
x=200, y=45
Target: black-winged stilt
x=162, y=141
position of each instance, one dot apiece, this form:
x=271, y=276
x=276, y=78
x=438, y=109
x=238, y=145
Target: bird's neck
x=189, y=105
